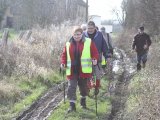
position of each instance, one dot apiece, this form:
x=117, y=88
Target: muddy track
x=121, y=88
x=42, y=108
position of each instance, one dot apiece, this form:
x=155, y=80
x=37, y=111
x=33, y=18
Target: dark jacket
x=100, y=44
x=108, y=40
x=139, y=41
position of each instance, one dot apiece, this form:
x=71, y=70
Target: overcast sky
x=103, y=8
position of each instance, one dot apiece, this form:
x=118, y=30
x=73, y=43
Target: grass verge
x=104, y=107
x=29, y=90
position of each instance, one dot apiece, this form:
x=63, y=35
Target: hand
x=63, y=66
x=145, y=46
x=133, y=50
x=94, y=61
x=108, y=61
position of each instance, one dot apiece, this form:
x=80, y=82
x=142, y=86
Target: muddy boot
x=144, y=64
x=72, y=107
x=138, y=67
x=83, y=102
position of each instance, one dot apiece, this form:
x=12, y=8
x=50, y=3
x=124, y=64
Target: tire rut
x=120, y=94
x=42, y=108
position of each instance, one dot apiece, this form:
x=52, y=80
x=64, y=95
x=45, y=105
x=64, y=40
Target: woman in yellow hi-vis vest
x=77, y=58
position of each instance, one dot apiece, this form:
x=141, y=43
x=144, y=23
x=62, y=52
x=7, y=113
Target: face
x=91, y=29
x=140, y=31
x=77, y=36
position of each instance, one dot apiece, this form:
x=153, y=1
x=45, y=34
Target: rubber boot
x=83, y=102
x=98, y=84
x=72, y=107
x=97, y=87
x=138, y=67
x=144, y=65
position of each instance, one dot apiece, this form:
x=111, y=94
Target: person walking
x=78, y=56
x=108, y=41
x=141, y=44
x=97, y=37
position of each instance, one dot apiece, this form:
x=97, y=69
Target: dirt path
x=122, y=78
x=42, y=108
x=123, y=70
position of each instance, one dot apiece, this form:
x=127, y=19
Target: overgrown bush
x=40, y=53
x=36, y=57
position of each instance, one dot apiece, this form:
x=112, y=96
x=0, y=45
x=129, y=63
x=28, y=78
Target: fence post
x=5, y=38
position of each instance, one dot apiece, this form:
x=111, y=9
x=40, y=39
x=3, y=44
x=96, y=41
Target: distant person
x=84, y=27
x=97, y=28
x=77, y=58
x=141, y=44
x=108, y=40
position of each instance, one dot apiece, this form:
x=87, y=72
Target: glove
x=62, y=66
x=94, y=61
x=90, y=84
x=145, y=47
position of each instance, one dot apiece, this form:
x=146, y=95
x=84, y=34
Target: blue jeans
x=142, y=58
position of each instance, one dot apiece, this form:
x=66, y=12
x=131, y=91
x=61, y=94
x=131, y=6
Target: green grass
x=26, y=102
x=12, y=34
x=31, y=89
x=135, y=91
x=104, y=107
x=29, y=99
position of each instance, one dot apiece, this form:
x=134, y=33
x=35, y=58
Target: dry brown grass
x=8, y=92
x=26, y=58
x=40, y=53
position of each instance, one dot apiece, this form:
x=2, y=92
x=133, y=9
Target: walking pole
x=64, y=87
x=95, y=92
x=96, y=102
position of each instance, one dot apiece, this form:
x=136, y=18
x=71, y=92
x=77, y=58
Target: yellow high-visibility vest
x=103, y=61
x=86, y=60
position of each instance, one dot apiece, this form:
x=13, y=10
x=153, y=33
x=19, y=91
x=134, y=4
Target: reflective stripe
x=84, y=65
x=68, y=66
x=68, y=62
x=68, y=69
x=82, y=60
x=87, y=65
x=86, y=60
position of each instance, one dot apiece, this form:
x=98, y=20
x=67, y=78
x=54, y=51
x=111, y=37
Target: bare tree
x=28, y=13
x=142, y=12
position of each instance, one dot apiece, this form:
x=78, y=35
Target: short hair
x=84, y=26
x=141, y=28
x=103, y=29
x=97, y=27
x=78, y=29
x=91, y=23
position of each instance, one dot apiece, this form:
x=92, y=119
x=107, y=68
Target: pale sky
x=103, y=8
